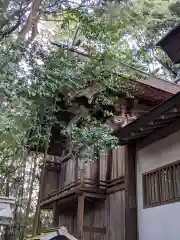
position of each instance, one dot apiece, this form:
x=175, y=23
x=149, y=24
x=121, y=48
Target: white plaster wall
x=161, y=222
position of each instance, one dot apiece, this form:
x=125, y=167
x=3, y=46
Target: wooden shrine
x=95, y=199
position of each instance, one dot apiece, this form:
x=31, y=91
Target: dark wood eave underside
x=144, y=91
x=169, y=34
x=154, y=125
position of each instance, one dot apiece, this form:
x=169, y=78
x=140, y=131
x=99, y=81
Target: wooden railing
x=83, y=182
x=64, y=188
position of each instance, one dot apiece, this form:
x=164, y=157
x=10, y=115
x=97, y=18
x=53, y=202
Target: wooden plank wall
x=89, y=166
x=117, y=162
x=95, y=216
x=90, y=170
x=49, y=183
x=67, y=174
x=103, y=164
x=118, y=166
x=109, y=214
x=69, y=220
x=71, y=170
x=116, y=216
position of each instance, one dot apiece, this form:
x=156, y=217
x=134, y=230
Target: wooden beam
x=170, y=115
x=116, y=188
x=60, y=196
x=153, y=114
x=93, y=190
x=93, y=229
x=71, y=198
x=135, y=135
x=80, y=216
x=162, y=120
x=153, y=126
x=130, y=193
x=159, y=134
x=148, y=130
x=95, y=195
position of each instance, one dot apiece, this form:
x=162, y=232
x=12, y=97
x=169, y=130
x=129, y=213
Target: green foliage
x=32, y=78
x=40, y=85
x=97, y=137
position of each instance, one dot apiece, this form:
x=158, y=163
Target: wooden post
x=130, y=193
x=80, y=216
x=55, y=215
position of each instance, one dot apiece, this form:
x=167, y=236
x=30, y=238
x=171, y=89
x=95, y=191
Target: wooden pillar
x=130, y=193
x=55, y=215
x=80, y=215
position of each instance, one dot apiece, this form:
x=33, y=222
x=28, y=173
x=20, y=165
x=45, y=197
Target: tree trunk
x=32, y=19
x=30, y=194
x=38, y=210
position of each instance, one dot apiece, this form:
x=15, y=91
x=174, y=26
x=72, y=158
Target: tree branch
x=31, y=19
x=10, y=30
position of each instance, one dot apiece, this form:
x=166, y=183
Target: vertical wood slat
x=159, y=183
x=113, y=164
x=118, y=159
x=103, y=162
x=153, y=187
x=81, y=177
x=121, y=160
x=147, y=187
x=171, y=178
x=173, y=196
x=156, y=187
x=175, y=180
x=178, y=178
x=168, y=184
x=109, y=164
x=162, y=185
x=144, y=187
